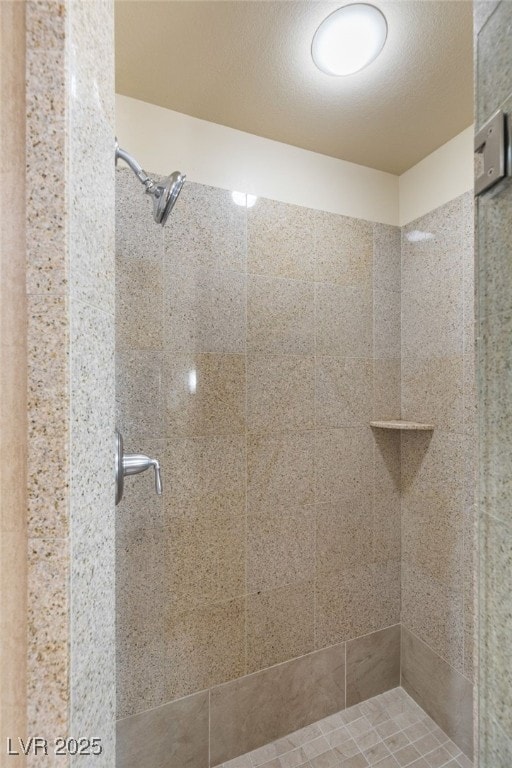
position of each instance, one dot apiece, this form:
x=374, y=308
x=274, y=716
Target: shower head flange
x=164, y=194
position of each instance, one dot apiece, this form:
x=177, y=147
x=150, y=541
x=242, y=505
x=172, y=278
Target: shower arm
x=138, y=170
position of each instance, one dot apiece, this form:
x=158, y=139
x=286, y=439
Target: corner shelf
x=400, y=424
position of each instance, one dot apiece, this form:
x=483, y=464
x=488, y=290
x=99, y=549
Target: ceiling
x=246, y=64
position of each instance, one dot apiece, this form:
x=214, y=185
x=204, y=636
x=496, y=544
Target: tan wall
x=253, y=348
x=13, y=378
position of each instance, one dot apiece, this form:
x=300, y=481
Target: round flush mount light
x=349, y=39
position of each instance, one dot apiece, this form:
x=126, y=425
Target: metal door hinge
x=492, y=150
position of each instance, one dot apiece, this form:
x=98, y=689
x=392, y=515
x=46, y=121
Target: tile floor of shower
x=387, y=731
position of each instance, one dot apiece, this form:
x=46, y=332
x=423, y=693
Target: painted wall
x=437, y=179
x=230, y=159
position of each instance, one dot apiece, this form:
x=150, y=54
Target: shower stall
x=323, y=579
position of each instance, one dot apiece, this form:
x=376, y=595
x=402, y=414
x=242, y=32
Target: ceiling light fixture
x=349, y=39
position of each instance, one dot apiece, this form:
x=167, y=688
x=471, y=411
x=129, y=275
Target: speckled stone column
x=70, y=273
x=493, y=49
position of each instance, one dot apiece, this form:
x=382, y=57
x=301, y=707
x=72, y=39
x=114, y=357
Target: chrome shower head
x=164, y=194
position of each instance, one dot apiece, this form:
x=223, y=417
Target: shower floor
x=387, y=731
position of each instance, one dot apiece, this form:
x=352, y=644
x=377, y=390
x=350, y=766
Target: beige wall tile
x=280, y=625
x=344, y=320
x=343, y=391
x=139, y=304
x=356, y=602
x=386, y=497
x=204, y=394
x=386, y=323
x=434, y=612
x=206, y=559
x=280, y=548
x=139, y=400
x=442, y=692
x=432, y=505
x=280, y=393
x=176, y=733
x=204, y=310
x=280, y=240
x=280, y=471
x=140, y=684
x=204, y=475
x=344, y=248
x=431, y=319
x=386, y=257
x=343, y=537
x=259, y=708
x=280, y=316
x=343, y=465
x=432, y=391
x=205, y=646
x=142, y=586
x=373, y=664
x=386, y=389
x=137, y=238
x=206, y=229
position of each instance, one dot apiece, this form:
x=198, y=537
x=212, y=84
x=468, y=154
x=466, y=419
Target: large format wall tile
x=280, y=471
x=344, y=249
x=343, y=391
x=373, y=664
x=442, y=692
x=356, y=601
x=433, y=610
x=259, y=708
x=280, y=548
x=174, y=734
x=344, y=320
x=203, y=394
x=204, y=310
x=280, y=316
x=204, y=646
x=280, y=393
x=433, y=390
x=206, y=229
x=204, y=474
x=281, y=240
x=280, y=624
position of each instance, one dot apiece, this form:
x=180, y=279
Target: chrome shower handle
x=132, y=464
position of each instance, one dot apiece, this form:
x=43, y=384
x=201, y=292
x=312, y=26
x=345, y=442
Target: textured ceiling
x=247, y=64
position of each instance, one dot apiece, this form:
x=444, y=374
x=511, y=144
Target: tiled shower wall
x=438, y=469
x=493, y=25
x=253, y=348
